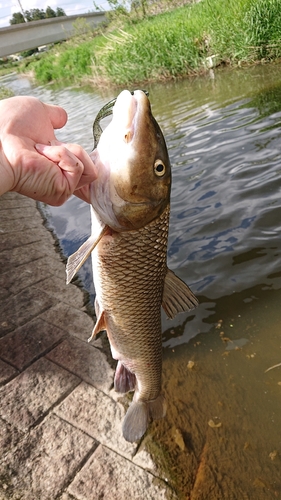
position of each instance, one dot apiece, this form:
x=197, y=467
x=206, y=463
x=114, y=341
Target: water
x=221, y=437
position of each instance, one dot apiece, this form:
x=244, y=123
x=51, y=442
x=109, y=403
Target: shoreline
x=184, y=41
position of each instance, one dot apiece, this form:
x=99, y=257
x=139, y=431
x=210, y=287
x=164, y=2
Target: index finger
x=90, y=171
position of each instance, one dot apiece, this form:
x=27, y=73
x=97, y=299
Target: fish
x=130, y=209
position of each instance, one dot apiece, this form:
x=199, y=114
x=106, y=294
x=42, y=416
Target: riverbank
x=60, y=433
x=186, y=41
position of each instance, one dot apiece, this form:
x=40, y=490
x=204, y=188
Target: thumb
x=57, y=115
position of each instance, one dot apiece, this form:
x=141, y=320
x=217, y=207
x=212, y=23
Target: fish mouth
x=128, y=108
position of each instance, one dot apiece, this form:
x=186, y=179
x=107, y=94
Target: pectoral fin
x=177, y=296
x=77, y=259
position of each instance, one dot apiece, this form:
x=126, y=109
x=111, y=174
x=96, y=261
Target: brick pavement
x=60, y=420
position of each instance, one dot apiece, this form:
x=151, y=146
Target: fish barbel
x=130, y=219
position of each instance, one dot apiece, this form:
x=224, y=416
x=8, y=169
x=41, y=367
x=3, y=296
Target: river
x=221, y=438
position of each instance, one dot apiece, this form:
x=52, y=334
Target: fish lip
x=124, y=111
x=141, y=101
x=134, y=103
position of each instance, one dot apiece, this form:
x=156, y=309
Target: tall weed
x=263, y=21
x=171, y=44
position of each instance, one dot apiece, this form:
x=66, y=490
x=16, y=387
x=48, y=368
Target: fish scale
x=143, y=254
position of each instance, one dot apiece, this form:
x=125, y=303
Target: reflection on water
x=223, y=134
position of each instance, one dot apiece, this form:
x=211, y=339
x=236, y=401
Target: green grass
x=171, y=44
x=264, y=27
x=65, y=62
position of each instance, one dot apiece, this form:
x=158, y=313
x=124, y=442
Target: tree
x=50, y=12
x=36, y=14
x=17, y=18
x=60, y=12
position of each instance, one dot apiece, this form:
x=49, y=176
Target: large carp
x=130, y=218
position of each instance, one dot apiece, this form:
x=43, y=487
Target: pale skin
x=32, y=161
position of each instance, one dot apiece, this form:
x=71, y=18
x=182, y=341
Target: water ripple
x=224, y=139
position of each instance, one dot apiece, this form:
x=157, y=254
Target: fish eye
x=159, y=168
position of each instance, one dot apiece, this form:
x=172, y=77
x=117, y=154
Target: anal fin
x=177, y=296
x=124, y=380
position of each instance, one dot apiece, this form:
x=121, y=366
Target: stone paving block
x=22, y=307
x=57, y=288
x=67, y=496
x=6, y=372
x=20, y=238
x=28, y=342
x=27, y=274
x=74, y=321
x=56, y=266
x=21, y=202
x=143, y=459
x=107, y=475
x=15, y=225
x=9, y=438
x=98, y=415
x=45, y=461
x=11, y=259
x=10, y=196
x=47, y=239
x=85, y=361
x=4, y=292
x=20, y=213
x=32, y=393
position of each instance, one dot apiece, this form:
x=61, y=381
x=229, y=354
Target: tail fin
x=138, y=415
x=158, y=407
x=136, y=421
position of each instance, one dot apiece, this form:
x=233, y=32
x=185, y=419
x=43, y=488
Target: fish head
x=133, y=168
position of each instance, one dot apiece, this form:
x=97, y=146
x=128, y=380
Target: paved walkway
x=60, y=421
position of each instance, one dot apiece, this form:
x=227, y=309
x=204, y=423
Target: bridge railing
x=25, y=36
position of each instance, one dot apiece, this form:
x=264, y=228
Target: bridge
x=25, y=36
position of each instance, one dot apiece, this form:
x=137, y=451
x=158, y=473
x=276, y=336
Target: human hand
x=32, y=162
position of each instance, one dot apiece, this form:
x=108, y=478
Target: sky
x=71, y=7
